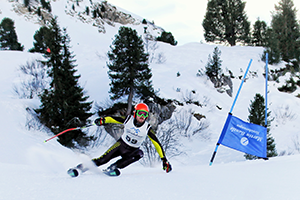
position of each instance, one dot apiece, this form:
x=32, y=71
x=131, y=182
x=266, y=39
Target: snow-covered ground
x=32, y=169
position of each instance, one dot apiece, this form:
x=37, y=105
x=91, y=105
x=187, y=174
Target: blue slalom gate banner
x=245, y=137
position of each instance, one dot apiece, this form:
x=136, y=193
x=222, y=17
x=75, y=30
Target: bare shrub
x=189, y=96
x=33, y=80
x=150, y=45
x=168, y=136
x=284, y=114
x=183, y=122
x=187, y=126
x=33, y=122
x=296, y=143
x=203, y=125
x=161, y=58
x=169, y=133
x=100, y=136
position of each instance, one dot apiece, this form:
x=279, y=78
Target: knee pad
x=140, y=154
x=137, y=154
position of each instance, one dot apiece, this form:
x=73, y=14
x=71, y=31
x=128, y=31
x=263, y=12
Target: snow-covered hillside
x=32, y=169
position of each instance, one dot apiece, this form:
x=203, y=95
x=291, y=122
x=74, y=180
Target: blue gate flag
x=245, y=137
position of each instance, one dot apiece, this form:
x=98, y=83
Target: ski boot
x=112, y=170
x=74, y=172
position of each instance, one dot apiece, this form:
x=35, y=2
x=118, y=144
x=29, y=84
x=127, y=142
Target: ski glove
x=166, y=165
x=99, y=121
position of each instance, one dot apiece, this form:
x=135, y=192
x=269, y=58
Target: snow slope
x=32, y=169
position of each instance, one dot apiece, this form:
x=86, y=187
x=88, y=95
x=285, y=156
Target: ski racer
x=136, y=128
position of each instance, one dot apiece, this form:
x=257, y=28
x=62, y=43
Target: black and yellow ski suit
x=128, y=146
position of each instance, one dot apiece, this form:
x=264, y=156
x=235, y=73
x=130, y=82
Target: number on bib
x=132, y=141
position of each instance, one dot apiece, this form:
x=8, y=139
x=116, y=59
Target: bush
x=167, y=37
x=289, y=87
x=213, y=66
x=144, y=21
x=34, y=80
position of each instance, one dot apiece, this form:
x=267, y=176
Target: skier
x=128, y=146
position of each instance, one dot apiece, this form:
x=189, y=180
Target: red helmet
x=141, y=106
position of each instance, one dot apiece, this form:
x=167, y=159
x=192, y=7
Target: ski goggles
x=141, y=113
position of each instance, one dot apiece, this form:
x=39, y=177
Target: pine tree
x=257, y=116
x=8, y=36
x=46, y=5
x=39, y=45
x=286, y=29
x=63, y=104
x=259, y=33
x=272, y=48
x=213, y=67
x=226, y=21
x=129, y=71
x=26, y=3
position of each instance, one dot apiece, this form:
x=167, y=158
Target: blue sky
x=184, y=18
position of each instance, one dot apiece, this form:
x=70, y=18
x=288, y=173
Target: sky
x=184, y=18
x=34, y=170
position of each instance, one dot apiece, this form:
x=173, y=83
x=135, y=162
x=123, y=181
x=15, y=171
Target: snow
x=32, y=169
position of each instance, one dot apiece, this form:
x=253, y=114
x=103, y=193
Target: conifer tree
x=226, y=21
x=46, y=5
x=213, y=67
x=26, y=2
x=272, y=48
x=259, y=33
x=129, y=70
x=167, y=37
x=8, y=36
x=286, y=29
x=63, y=104
x=257, y=116
x=40, y=37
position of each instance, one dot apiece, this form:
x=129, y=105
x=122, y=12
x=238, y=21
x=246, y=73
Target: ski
x=73, y=172
x=79, y=169
x=114, y=172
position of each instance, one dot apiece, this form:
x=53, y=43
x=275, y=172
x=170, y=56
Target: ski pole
x=70, y=129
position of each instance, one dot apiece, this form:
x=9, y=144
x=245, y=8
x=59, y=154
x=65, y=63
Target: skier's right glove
x=166, y=165
x=99, y=121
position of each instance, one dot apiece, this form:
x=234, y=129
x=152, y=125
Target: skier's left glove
x=166, y=165
x=99, y=121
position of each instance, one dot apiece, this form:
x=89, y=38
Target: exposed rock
x=105, y=14
x=223, y=84
x=199, y=116
x=112, y=15
x=160, y=113
x=96, y=13
x=32, y=15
